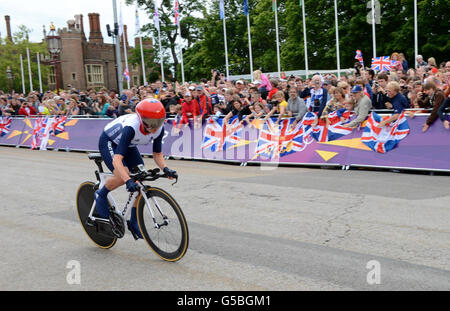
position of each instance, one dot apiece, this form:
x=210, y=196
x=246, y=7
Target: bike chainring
x=117, y=224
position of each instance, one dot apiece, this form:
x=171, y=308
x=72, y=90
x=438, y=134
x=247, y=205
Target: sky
x=36, y=13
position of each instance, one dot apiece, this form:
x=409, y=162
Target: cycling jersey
x=122, y=135
x=114, y=130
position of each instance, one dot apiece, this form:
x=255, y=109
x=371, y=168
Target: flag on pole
x=126, y=74
x=274, y=5
x=137, y=26
x=221, y=9
x=359, y=57
x=120, y=22
x=156, y=17
x=177, y=14
x=245, y=7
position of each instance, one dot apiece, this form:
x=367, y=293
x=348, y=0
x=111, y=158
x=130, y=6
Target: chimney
x=8, y=27
x=95, y=34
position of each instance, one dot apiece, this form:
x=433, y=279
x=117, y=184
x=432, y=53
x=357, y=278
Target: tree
x=10, y=57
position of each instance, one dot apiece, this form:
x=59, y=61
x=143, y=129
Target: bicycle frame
x=125, y=213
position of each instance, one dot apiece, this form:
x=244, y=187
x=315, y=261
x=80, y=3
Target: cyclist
x=118, y=147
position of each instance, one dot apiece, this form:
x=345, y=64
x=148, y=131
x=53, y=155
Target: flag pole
x=138, y=32
x=22, y=74
x=222, y=16
x=124, y=41
x=177, y=24
x=416, y=43
x=373, y=30
x=39, y=72
x=159, y=40
x=29, y=70
x=304, y=40
x=117, y=51
x=337, y=40
x=278, y=42
x=181, y=54
x=249, y=38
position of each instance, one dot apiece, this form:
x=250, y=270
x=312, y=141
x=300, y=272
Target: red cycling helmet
x=151, y=113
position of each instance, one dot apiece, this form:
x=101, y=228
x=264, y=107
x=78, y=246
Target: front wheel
x=167, y=233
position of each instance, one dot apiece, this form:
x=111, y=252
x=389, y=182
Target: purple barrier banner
x=285, y=143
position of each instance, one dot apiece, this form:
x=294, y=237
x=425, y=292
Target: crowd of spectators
x=425, y=88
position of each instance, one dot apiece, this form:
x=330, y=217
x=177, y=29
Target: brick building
x=90, y=63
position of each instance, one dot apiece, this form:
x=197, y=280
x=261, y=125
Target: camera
x=273, y=102
x=316, y=103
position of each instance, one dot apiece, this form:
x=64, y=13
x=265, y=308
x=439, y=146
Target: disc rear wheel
x=100, y=232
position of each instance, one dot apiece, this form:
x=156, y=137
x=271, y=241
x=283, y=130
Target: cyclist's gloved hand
x=170, y=173
x=132, y=186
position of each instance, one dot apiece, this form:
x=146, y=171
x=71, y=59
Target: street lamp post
x=54, y=47
x=10, y=77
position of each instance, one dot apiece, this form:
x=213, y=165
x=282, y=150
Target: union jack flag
x=38, y=131
x=126, y=74
x=396, y=64
x=386, y=138
x=277, y=140
x=323, y=133
x=177, y=15
x=57, y=126
x=5, y=125
x=382, y=63
x=359, y=57
x=218, y=136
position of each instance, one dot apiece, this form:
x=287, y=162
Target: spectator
x=238, y=110
x=296, y=106
x=397, y=100
x=420, y=61
x=100, y=107
x=436, y=99
x=72, y=108
x=279, y=106
x=379, y=97
x=404, y=62
x=257, y=112
x=27, y=110
x=319, y=95
x=189, y=109
x=274, y=89
x=335, y=103
x=265, y=87
x=204, y=103
x=362, y=106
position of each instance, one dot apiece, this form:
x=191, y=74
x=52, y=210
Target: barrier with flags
x=285, y=142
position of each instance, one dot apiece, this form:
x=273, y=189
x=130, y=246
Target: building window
x=94, y=74
x=135, y=80
x=74, y=76
x=52, y=75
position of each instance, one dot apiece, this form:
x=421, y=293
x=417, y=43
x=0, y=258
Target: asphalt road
x=250, y=229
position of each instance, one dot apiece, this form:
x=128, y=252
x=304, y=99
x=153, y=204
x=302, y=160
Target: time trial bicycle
x=160, y=218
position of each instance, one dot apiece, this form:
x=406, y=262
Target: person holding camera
x=379, y=96
x=279, y=105
x=27, y=109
